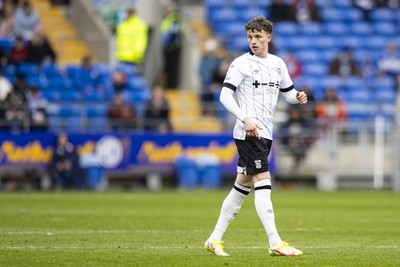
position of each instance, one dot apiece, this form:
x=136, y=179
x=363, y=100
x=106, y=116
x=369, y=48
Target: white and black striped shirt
x=257, y=83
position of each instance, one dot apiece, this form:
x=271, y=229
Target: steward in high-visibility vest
x=132, y=38
x=171, y=37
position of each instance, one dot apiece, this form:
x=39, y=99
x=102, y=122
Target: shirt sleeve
x=234, y=75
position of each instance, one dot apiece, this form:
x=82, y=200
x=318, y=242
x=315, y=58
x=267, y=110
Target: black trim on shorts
x=241, y=190
x=263, y=187
x=284, y=90
x=230, y=86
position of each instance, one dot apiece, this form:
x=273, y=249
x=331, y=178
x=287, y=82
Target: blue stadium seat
x=286, y=28
x=353, y=41
x=384, y=28
x=377, y=42
x=353, y=14
x=97, y=124
x=360, y=28
x=229, y=29
x=51, y=95
x=325, y=42
x=311, y=29
x=335, y=28
x=71, y=110
x=355, y=96
x=53, y=109
x=300, y=42
x=332, y=14
x=128, y=69
x=382, y=15
x=223, y=15
x=309, y=55
x=342, y=3
x=383, y=81
x=71, y=71
x=71, y=95
x=97, y=110
x=315, y=69
x=9, y=69
x=6, y=44
x=385, y=95
x=28, y=69
x=238, y=44
x=59, y=83
x=246, y=14
x=51, y=70
x=353, y=83
x=137, y=83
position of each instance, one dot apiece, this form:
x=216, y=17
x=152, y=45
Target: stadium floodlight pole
x=379, y=151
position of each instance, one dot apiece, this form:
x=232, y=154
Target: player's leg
x=264, y=207
x=230, y=208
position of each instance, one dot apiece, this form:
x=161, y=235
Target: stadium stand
x=315, y=44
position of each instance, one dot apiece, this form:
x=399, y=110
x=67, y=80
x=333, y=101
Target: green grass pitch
x=344, y=228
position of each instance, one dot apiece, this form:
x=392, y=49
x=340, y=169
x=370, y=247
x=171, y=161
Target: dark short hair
x=258, y=24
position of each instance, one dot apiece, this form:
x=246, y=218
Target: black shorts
x=253, y=155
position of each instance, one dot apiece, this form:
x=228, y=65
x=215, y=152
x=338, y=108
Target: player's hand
x=301, y=97
x=252, y=127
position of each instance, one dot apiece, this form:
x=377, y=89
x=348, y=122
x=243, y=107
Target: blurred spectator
x=293, y=65
x=278, y=11
x=309, y=111
x=7, y=20
x=298, y=135
x=60, y=2
x=131, y=38
x=171, y=37
x=210, y=97
x=64, y=165
x=209, y=62
x=39, y=49
x=389, y=64
x=368, y=69
x=19, y=51
x=15, y=111
x=344, y=64
x=87, y=73
x=119, y=81
x=120, y=115
x=26, y=20
x=157, y=112
x=20, y=87
x=5, y=87
x=303, y=11
x=365, y=6
x=330, y=111
x=37, y=109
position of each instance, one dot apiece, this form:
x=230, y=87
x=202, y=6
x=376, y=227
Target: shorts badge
x=258, y=164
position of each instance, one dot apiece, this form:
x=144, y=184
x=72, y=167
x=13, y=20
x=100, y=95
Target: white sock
x=230, y=208
x=263, y=204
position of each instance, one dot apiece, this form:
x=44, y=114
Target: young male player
x=256, y=78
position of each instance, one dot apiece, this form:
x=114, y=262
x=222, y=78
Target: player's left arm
x=293, y=96
x=287, y=89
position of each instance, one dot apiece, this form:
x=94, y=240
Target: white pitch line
x=53, y=232
x=173, y=248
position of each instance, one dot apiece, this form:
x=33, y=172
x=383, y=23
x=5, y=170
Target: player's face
x=258, y=42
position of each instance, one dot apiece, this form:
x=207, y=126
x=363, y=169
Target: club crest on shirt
x=258, y=164
x=256, y=71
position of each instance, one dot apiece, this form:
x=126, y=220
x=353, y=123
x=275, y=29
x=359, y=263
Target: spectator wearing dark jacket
x=64, y=165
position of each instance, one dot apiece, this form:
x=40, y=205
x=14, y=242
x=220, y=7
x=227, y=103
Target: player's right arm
x=250, y=125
